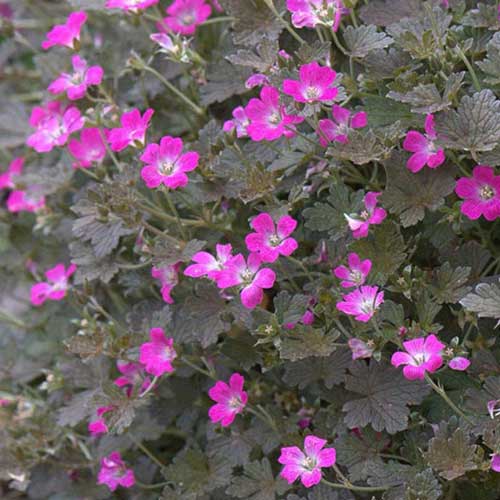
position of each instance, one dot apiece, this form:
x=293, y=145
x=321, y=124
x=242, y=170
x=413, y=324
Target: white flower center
x=486, y=193
x=367, y=306
x=312, y=93
x=247, y=277
x=274, y=240
x=419, y=358
x=187, y=19
x=356, y=276
x=365, y=215
x=309, y=463
x=167, y=167
x=274, y=118
x=235, y=403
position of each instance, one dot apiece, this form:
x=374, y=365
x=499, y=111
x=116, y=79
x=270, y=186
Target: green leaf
x=491, y=65
x=409, y=195
x=261, y=60
x=385, y=394
x=257, y=483
x=89, y=267
x=323, y=492
x=169, y=252
x=330, y=370
x=77, y=409
x=14, y=126
x=483, y=16
x=423, y=485
x=88, y=4
x=448, y=284
x=290, y=309
x=385, y=12
x=361, y=41
x=303, y=342
x=235, y=448
x=485, y=300
x=474, y=127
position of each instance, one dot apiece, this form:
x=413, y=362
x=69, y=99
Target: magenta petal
x=417, y=161
x=263, y=223
x=251, y=296
x=400, y=358
x=313, y=445
x=415, y=142
x=414, y=372
x=265, y=278
x=312, y=478
x=286, y=226
x=327, y=457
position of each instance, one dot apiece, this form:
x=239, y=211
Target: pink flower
x=157, y=355
x=217, y=5
x=316, y=84
x=257, y=80
x=166, y=164
x=362, y=303
x=75, y=85
x=66, y=35
x=25, y=201
x=268, y=118
x=309, y=13
x=130, y=5
x=360, y=349
x=185, y=15
x=445, y=3
x=248, y=277
x=132, y=374
x=133, y=130
x=53, y=126
x=359, y=224
x=459, y=363
x=306, y=464
x=239, y=122
x=97, y=427
x=354, y=275
x=15, y=169
x=55, y=287
x=492, y=408
x=208, y=265
x=270, y=240
x=338, y=129
x=495, y=462
x=306, y=319
x=481, y=193
x=423, y=148
x=114, y=472
x=169, y=277
x=422, y=355
x=230, y=399
x=89, y=149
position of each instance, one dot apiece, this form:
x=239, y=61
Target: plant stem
x=352, y=487
x=150, y=387
x=288, y=276
x=290, y=30
x=198, y=369
x=264, y=418
x=215, y=20
x=175, y=213
x=337, y=43
x=470, y=69
x=302, y=266
x=139, y=445
x=150, y=486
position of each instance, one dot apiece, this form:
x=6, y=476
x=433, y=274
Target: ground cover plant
x=250, y=249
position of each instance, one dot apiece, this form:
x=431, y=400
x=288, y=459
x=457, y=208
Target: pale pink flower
x=481, y=193
x=56, y=286
x=164, y=41
x=53, y=125
x=306, y=464
x=166, y=164
x=425, y=152
x=362, y=303
x=459, y=363
x=66, y=35
x=445, y=3
x=268, y=118
x=157, y=355
x=75, y=85
x=25, y=201
x=132, y=375
x=493, y=411
x=284, y=54
x=230, y=399
x=422, y=355
x=256, y=80
x=114, y=472
x=168, y=277
x=360, y=349
x=176, y=48
x=208, y=265
x=130, y=5
x=316, y=84
x=360, y=223
x=495, y=462
x=309, y=13
x=239, y=122
x=338, y=129
x=185, y=15
x=217, y=5
x=89, y=149
x=132, y=132
x=354, y=275
x=15, y=169
x=99, y=426
x=248, y=277
x=271, y=240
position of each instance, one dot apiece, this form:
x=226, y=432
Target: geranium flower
x=115, y=473
x=53, y=126
x=55, y=287
x=248, y=277
x=239, y=122
x=168, y=277
x=177, y=49
x=89, y=149
x=422, y=355
x=425, y=152
x=362, y=303
x=316, y=84
x=185, y=15
x=481, y=193
x=99, y=426
x=132, y=132
x=66, y=35
x=268, y=118
x=338, y=129
x=25, y=201
x=208, y=265
x=306, y=319
x=309, y=13
x=75, y=85
x=230, y=399
x=130, y=5
x=495, y=462
x=157, y=355
x=360, y=223
x=306, y=464
x=270, y=240
x=354, y=275
x=132, y=375
x=360, y=349
x=256, y=80
x=15, y=169
x=459, y=363
x=493, y=411
x=166, y=164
